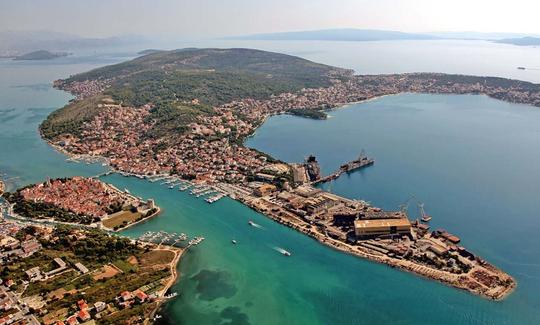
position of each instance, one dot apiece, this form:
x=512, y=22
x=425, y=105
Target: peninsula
x=187, y=112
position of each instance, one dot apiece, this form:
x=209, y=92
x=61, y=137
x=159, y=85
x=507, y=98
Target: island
x=80, y=200
x=522, y=41
x=40, y=55
x=184, y=115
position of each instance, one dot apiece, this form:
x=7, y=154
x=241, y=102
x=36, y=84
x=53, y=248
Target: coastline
x=445, y=278
x=404, y=265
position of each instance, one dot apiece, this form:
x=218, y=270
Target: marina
x=163, y=238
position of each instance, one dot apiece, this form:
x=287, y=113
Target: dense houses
x=86, y=88
x=86, y=196
x=210, y=150
x=18, y=306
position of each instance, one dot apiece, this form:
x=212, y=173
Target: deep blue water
x=471, y=159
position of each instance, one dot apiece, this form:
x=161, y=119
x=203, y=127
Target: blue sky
x=194, y=18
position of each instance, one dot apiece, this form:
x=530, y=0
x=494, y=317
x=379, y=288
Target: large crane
x=405, y=205
x=423, y=215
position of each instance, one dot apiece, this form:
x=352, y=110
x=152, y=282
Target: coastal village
x=211, y=150
x=55, y=274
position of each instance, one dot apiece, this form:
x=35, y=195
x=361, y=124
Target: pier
x=360, y=162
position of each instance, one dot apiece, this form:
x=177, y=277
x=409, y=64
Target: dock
x=163, y=238
x=361, y=162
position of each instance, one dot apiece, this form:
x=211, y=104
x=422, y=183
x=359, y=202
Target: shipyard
x=390, y=237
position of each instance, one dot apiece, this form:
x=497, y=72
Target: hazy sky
x=195, y=18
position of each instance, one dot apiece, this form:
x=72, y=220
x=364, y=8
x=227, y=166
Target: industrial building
x=381, y=227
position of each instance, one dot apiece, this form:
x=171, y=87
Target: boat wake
x=256, y=225
x=282, y=251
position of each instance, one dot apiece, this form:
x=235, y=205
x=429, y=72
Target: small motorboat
x=251, y=223
x=286, y=253
x=233, y=241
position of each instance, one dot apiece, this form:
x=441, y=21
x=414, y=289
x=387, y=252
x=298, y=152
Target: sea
x=472, y=160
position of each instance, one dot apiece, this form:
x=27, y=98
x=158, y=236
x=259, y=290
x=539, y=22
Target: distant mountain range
x=339, y=35
x=522, y=41
x=15, y=43
x=360, y=35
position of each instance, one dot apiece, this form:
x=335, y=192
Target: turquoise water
x=471, y=159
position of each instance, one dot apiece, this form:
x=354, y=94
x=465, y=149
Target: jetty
x=349, y=167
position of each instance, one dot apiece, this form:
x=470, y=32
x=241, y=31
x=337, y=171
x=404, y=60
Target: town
x=211, y=152
x=80, y=200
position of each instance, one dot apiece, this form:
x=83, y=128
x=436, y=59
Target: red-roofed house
x=141, y=296
x=72, y=320
x=82, y=304
x=126, y=295
x=84, y=315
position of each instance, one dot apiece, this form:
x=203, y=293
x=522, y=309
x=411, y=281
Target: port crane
x=423, y=215
x=405, y=205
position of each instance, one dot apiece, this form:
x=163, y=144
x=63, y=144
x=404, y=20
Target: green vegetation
x=170, y=80
x=309, y=113
x=173, y=117
x=70, y=118
x=97, y=245
x=290, y=70
x=141, y=269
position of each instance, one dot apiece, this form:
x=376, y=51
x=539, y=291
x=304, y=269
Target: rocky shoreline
x=417, y=269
